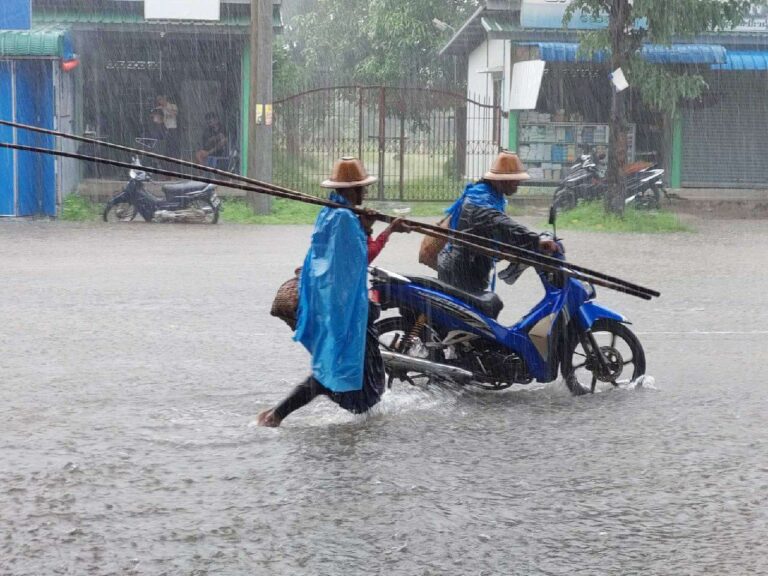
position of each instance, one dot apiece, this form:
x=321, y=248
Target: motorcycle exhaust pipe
x=394, y=361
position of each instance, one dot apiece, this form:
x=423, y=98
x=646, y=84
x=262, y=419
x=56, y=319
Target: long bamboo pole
x=562, y=267
x=419, y=226
x=540, y=258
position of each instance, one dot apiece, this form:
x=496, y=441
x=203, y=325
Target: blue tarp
x=675, y=54
x=738, y=60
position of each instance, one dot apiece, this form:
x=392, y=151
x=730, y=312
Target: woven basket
x=286, y=302
x=431, y=247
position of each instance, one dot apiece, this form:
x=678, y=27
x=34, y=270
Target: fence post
x=360, y=125
x=402, y=154
x=382, y=137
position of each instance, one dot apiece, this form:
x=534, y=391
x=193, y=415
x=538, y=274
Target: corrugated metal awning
x=123, y=19
x=675, y=54
x=44, y=42
x=497, y=25
x=742, y=60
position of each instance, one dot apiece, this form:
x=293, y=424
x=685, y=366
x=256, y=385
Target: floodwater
x=135, y=358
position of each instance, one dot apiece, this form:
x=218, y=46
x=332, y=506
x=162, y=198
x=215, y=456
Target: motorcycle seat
x=183, y=188
x=488, y=303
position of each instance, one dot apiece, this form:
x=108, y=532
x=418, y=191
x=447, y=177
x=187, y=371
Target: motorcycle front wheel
x=564, y=200
x=119, y=212
x=208, y=213
x=621, y=349
x=649, y=200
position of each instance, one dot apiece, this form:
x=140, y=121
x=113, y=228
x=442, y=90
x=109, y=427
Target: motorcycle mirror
x=552, y=216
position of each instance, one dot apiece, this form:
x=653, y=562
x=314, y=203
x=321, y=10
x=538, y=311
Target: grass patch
x=237, y=211
x=78, y=209
x=284, y=211
x=592, y=217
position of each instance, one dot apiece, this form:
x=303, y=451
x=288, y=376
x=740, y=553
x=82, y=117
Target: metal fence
x=422, y=144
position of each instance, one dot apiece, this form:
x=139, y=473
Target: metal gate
x=422, y=144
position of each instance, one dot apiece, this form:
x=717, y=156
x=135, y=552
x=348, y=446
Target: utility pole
x=260, y=103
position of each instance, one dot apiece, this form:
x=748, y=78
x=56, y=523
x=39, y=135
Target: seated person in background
x=214, y=142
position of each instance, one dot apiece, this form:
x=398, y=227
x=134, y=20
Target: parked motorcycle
x=586, y=181
x=184, y=201
x=444, y=334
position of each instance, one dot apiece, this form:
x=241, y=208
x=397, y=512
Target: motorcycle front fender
x=590, y=312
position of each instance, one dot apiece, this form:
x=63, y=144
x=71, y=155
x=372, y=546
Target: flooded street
x=136, y=357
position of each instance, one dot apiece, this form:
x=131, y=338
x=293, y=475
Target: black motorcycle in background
x=192, y=202
x=585, y=181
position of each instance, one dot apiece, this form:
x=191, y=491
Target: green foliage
x=592, y=217
x=79, y=209
x=661, y=87
x=373, y=41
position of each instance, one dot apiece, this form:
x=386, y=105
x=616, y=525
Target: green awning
x=39, y=41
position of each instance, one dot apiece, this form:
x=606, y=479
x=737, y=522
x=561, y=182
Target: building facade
x=124, y=63
x=715, y=141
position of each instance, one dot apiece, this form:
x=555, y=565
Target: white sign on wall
x=526, y=84
x=182, y=10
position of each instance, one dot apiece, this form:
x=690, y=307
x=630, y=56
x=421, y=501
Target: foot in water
x=268, y=419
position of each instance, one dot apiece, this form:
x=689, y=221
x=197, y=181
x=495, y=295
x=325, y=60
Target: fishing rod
x=299, y=196
x=560, y=268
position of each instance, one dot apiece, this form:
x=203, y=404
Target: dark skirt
x=374, y=379
x=357, y=401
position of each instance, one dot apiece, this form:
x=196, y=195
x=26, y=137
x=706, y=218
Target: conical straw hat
x=507, y=166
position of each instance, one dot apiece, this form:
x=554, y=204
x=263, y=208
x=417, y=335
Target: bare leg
x=302, y=395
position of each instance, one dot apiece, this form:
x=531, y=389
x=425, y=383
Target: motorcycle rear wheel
x=211, y=213
x=119, y=212
x=622, y=349
x=392, y=333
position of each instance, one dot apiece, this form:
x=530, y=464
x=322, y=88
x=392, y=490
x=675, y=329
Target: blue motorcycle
x=445, y=334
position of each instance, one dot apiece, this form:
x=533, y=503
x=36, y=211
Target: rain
x=339, y=287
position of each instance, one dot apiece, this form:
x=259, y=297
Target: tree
x=388, y=42
x=631, y=24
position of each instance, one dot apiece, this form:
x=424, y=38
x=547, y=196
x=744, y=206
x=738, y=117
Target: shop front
x=729, y=123
x=154, y=83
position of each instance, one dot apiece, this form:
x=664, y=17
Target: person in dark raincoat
x=481, y=211
x=334, y=323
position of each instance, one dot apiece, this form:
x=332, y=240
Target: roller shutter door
x=725, y=141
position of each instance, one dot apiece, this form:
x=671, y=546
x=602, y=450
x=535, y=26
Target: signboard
x=526, y=84
x=549, y=14
x=15, y=14
x=182, y=10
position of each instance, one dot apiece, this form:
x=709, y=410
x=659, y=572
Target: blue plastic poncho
x=333, y=299
x=481, y=194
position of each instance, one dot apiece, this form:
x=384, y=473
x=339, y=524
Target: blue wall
x=15, y=14
x=34, y=105
x=33, y=174
x=7, y=207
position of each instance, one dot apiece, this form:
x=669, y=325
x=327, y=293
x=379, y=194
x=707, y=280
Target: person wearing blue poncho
x=334, y=323
x=480, y=210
